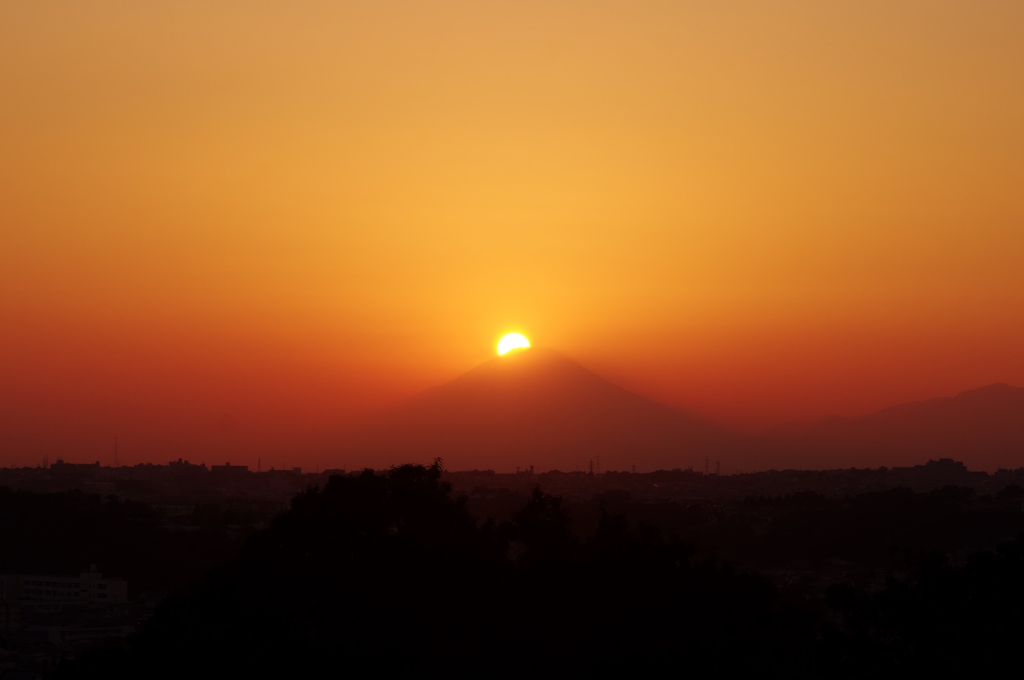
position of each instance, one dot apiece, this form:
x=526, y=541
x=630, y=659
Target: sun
x=511, y=342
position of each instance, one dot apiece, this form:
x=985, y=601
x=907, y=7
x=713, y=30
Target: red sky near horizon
x=228, y=228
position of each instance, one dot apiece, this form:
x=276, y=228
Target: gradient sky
x=228, y=227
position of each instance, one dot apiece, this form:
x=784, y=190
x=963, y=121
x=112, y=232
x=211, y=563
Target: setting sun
x=512, y=341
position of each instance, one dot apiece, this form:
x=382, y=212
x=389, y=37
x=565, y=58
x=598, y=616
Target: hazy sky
x=228, y=226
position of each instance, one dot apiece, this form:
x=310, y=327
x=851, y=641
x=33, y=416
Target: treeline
x=392, y=574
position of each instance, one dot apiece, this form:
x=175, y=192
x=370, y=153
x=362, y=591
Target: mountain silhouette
x=534, y=407
x=982, y=427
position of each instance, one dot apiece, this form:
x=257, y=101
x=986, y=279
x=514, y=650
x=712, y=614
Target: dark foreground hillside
x=392, y=574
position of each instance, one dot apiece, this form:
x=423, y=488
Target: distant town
x=178, y=486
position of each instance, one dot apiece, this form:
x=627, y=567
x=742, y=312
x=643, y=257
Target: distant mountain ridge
x=538, y=408
x=983, y=427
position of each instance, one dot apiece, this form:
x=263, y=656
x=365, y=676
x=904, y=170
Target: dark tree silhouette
x=376, y=574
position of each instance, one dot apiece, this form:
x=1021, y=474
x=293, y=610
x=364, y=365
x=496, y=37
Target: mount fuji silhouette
x=535, y=407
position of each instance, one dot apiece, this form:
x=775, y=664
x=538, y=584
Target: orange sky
x=228, y=227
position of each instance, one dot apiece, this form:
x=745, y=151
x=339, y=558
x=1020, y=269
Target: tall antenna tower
x=718, y=468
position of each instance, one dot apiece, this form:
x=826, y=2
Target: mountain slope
x=534, y=407
x=982, y=427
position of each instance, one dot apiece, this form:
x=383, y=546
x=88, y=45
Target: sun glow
x=511, y=342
